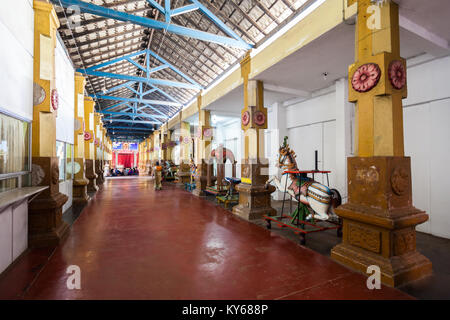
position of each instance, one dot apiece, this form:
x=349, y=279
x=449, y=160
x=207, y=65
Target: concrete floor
x=134, y=243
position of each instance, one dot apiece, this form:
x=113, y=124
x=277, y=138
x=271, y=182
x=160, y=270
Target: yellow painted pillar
x=184, y=172
x=203, y=139
x=379, y=219
x=254, y=197
x=89, y=146
x=80, y=182
x=45, y=226
x=98, y=161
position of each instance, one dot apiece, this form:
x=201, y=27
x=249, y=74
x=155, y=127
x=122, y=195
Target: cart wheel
x=269, y=224
x=339, y=233
x=302, y=239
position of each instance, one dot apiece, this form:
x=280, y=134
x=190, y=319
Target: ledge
x=9, y=197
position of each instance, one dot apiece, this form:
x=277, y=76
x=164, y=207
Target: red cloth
x=126, y=160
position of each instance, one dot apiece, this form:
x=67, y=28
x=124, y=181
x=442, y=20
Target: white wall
x=16, y=57
x=65, y=84
x=310, y=126
x=16, y=98
x=229, y=133
x=316, y=124
x=427, y=136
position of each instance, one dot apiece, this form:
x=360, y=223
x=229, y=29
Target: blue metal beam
x=143, y=101
x=120, y=86
x=173, y=68
x=157, y=6
x=129, y=128
x=182, y=10
x=158, y=25
x=167, y=10
x=153, y=108
x=139, y=79
x=220, y=24
x=114, y=61
x=135, y=121
x=130, y=114
x=115, y=106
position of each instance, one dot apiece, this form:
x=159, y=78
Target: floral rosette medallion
x=54, y=99
x=259, y=118
x=397, y=74
x=207, y=132
x=87, y=136
x=245, y=118
x=366, y=77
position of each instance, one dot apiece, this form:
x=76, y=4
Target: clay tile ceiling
x=93, y=39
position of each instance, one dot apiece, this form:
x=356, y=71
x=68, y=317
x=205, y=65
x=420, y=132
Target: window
x=15, y=160
x=69, y=161
x=61, y=154
x=64, y=152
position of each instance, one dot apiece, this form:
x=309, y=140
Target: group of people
x=125, y=172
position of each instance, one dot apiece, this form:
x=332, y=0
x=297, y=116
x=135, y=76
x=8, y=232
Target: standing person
x=157, y=172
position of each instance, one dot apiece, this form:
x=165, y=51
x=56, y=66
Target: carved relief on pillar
x=45, y=224
x=365, y=238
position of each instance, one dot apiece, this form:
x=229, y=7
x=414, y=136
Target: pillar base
x=379, y=221
x=254, y=202
x=200, y=186
x=45, y=224
x=80, y=195
x=91, y=176
x=99, y=172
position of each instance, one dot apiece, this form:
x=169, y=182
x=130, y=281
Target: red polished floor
x=134, y=243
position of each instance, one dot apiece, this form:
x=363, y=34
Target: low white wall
x=13, y=233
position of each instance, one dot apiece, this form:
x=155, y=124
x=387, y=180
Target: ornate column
x=45, y=224
x=184, y=173
x=89, y=147
x=98, y=161
x=203, y=149
x=80, y=182
x=254, y=197
x=150, y=156
x=380, y=219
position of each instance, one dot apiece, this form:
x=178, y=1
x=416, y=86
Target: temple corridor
x=132, y=242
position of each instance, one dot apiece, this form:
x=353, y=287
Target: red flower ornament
x=245, y=118
x=54, y=100
x=366, y=77
x=259, y=118
x=397, y=74
x=87, y=136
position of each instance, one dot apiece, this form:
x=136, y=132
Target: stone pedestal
x=80, y=183
x=91, y=175
x=254, y=197
x=184, y=173
x=99, y=172
x=45, y=224
x=202, y=179
x=379, y=221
